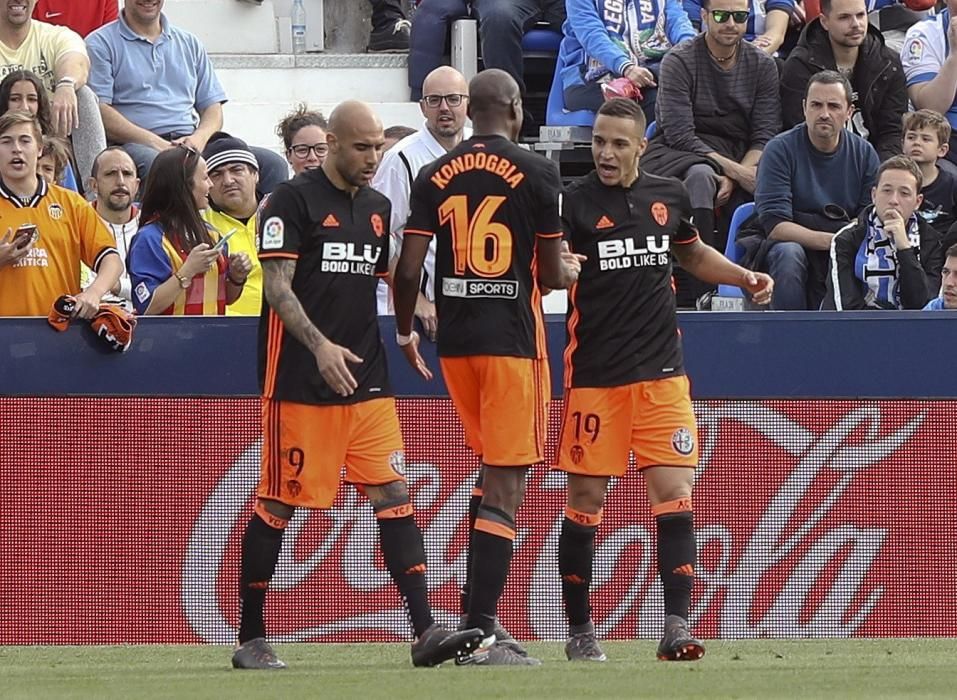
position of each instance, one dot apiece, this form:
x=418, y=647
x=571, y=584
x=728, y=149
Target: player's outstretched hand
x=412, y=355
x=573, y=261
x=759, y=286
x=332, y=361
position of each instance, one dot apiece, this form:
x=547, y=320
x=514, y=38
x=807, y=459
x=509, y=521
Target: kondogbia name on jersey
x=489, y=162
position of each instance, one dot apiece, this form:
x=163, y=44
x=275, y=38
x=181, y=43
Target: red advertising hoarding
x=122, y=517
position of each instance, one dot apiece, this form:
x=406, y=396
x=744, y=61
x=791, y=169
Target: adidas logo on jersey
x=330, y=221
x=604, y=222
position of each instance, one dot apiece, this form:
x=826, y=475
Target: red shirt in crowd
x=82, y=16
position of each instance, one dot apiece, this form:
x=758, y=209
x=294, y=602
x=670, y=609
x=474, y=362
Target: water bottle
x=298, y=27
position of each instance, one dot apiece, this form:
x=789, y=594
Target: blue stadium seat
x=555, y=114
x=541, y=41
x=69, y=179
x=651, y=130
x=732, y=251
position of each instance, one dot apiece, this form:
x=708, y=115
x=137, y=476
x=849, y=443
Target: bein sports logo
x=763, y=579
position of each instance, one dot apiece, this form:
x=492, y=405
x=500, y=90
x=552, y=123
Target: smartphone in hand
x=221, y=243
x=26, y=234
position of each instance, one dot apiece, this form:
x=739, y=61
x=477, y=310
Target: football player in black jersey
x=625, y=385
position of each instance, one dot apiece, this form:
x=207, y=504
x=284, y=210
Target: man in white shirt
x=114, y=183
x=444, y=104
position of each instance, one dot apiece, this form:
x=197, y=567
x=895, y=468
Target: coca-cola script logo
x=793, y=508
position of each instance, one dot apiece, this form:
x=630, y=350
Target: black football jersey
x=622, y=323
x=341, y=248
x=486, y=202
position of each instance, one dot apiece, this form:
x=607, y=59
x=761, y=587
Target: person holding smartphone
x=174, y=262
x=46, y=231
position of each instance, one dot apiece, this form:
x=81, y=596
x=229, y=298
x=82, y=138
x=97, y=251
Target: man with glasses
x=718, y=105
x=444, y=103
x=233, y=201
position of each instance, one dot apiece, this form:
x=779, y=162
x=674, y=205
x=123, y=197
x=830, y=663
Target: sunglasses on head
x=452, y=100
x=722, y=16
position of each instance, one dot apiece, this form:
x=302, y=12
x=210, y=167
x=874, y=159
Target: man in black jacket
x=889, y=258
x=841, y=39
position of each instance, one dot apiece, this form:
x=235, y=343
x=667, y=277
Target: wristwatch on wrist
x=66, y=80
x=183, y=281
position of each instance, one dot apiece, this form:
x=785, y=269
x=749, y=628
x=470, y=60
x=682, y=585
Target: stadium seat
x=732, y=251
x=651, y=130
x=555, y=114
x=69, y=179
x=541, y=41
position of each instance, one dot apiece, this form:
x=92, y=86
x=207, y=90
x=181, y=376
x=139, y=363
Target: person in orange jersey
x=625, y=385
x=46, y=231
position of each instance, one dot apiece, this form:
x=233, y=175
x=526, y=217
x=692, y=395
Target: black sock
x=677, y=557
x=404, y=552
x=475, y=500
x=492, y=547
x=576, y=552
x=260, y=552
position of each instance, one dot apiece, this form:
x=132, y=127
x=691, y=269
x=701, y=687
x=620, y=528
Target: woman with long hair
x=23, y=91
x=177, y=263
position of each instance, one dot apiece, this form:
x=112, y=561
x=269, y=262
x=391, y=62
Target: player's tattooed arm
x=277, y=285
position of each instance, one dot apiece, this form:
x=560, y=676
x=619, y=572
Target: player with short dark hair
x=493, y=209
x=326, y=394
x=625, y=384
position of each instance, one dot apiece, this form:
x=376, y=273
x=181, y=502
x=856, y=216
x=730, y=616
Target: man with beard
x=718, y=105
x=812, y=181
x=233, y=200
x=841, y=39
x=113, y=181
x=327, y=402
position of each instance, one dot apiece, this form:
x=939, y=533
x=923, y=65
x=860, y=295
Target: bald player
x=492, y=209
x=327, y=402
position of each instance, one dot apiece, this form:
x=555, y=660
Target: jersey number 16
x=478, y=244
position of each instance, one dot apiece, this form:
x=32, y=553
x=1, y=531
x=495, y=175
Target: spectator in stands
x=948, y=284
x=157, y=88
x=82, y=16
x=444, y=106
x=877, y=262
x=54, y=159
x=841, y=39
x=114, y=183
x=930, y=66
x=41, y=263
x=767, y=22
x=812, y=180
x=234, y=174
x=390, y=27
x=303, y=134
x=718, y=106
x=175, y=266
x=22, y=91
x=394, y=134
x=58, y=57
x=600, y=44
x=501, y=26
x=926, y=139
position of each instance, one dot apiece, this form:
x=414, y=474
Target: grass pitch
x=884, y=668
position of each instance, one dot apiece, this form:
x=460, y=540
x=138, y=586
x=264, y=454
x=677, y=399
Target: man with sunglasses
x=444, y=103
x=718, y=105
x=842, y=39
